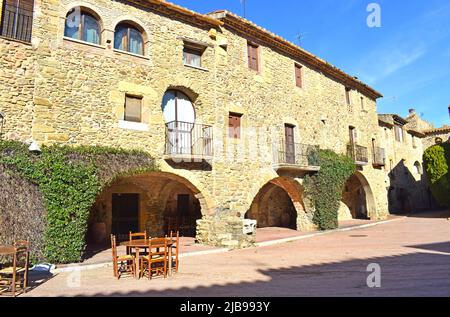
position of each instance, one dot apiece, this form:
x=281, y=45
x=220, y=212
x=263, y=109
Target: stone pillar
x=224, y=230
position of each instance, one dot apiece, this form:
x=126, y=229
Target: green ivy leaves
x=326, y=187
x=436, y=162
x=70, y=179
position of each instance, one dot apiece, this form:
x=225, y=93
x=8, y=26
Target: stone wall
x=224, y=231
x=403, y=178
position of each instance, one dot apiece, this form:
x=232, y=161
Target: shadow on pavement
x=417, y=274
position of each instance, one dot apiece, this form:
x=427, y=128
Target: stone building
x=408, y=188
x=230, y=111
x=433, y=135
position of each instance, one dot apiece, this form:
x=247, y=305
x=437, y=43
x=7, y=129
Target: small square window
x=192, y=55
x=133, y=109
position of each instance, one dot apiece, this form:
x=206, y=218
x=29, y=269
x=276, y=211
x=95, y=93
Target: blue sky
x=407, y=59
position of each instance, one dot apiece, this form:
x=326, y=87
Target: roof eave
x=231, y=20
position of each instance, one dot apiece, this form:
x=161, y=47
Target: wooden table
x=144, y=243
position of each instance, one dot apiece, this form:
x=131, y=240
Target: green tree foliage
x=69, y=180
x=326, y=187
x=436, y=162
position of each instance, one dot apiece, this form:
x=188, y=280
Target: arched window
x=177, y=107
x=417, y=168
x=128, y=38
x=82, y=26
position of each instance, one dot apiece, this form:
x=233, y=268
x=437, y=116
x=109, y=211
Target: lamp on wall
x=2, y=120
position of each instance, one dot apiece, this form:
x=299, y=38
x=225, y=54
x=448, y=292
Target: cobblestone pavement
x=413, y=253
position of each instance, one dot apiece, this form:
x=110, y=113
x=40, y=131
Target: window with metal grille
x=17, y=19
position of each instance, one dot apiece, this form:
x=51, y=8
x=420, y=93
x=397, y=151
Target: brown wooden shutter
x=17, y=19
x=133, y=109
x=234, y=126
x=298, y=75
x=253, y=61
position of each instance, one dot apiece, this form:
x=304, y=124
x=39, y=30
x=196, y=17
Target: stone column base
x=225, y=231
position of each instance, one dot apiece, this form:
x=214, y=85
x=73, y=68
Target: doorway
x=125, y=215
x=290, y=145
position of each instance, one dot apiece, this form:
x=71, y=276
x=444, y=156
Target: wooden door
x=290, y=145
x=125, y=215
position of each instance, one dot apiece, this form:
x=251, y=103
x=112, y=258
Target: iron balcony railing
x=184, y=138
x=296, y=154
x=16, y=23
x=379, y=156
x=359, y=153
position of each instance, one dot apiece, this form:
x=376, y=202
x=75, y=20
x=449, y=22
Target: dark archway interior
x=157, y=203
x=273, y=207
x=355, y=197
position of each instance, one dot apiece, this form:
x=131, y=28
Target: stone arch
x=287, y=193
x=358, y=197
x=153, y=190
x=136, y=23
x=88, y=8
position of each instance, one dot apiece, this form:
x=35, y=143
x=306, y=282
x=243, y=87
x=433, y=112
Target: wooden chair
x=121, y=264
x=156, y=260
x=175, y=250
x=138, y=236
x=15, y=277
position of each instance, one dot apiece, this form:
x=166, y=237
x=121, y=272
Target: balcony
x=359, y=153
x=296, y=157
x=379, y=157
x=188, y=142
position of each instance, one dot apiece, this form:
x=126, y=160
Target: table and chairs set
x=145, y=256
x=14, y=268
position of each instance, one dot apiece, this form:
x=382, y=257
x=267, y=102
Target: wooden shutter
x=234, y=125
x=133, y=109
x=253, y=60
x=298, y=75
x=347, y=96
x=17, y=19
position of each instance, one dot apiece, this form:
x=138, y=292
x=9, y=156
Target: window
x=298, y=76
x=128, y=38
x=398, y=133
x=177, y=107
x=347, y=96
x=192, y=55
x=17, y=19
x=417, y=168
x=362, y=104
x=414, y=144
x=234, y=125
x=133, y=108
x=82, y=26
x=253, y=56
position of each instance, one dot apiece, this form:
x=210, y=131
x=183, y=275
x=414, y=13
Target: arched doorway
x=156, y=202
x=277, y=204
x=358, y=197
